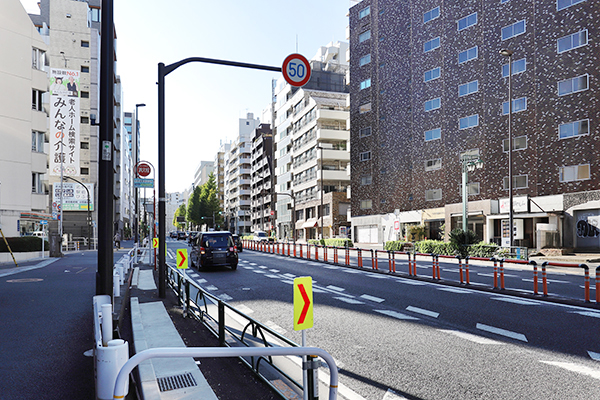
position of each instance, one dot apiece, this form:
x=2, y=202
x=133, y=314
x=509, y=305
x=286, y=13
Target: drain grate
x=176, y=382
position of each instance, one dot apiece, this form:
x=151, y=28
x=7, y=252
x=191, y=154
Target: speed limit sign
x=296, y=70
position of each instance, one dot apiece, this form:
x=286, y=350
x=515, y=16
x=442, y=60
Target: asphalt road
x=396, y=337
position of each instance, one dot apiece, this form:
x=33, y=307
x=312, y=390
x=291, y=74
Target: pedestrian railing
x=236, y=329
x=388, y=260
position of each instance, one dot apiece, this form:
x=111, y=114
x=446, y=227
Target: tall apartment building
x=219, y=171
x=237, y=177
x=261, y=194
x=202, y=172
x=312, y=152
x=23, y=123
x=429, y=87
x=174, y=200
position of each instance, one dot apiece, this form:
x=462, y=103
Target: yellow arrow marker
x=182, y=259
x=303, y=303
x=155, y=243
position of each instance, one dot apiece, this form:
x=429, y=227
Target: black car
x=237, y=240
x=181, y=235
x=192, y=235
x=213, y=249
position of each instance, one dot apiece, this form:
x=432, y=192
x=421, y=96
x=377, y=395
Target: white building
x=202, y=172
x=237, y=177
x=23, y=123
x=174, y=200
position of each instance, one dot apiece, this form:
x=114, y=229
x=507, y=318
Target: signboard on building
x=64, y=122
x=143, y=183
x=520, y=204
x=74, y=197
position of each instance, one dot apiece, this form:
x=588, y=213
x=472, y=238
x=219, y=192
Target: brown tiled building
x=429, y=86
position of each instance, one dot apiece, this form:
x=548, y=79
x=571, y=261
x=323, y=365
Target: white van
x=40, y=234
x=260, y=235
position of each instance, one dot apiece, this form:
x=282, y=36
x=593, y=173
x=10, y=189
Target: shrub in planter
x=23, y=244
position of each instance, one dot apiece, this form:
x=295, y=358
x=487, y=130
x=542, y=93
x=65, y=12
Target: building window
x=365, y=108
x=431, y=14
x=364, y=60
x=36, y=100
x=364, y=132
x=518, y=66
x=85, y=95
x=36, y=183
x=433, y=134
x=85, y=171
x=366, y=180
x=95, y=14
x=516, y=29
x=366, y=35
x=37, y=141
x=519, y=143
x=469, y=122
x=365, y=84
x=85, y=120
x=366, y=204
x=571, y=42
x=432, y=74
x=85, y=69
x=518, y=105
x=364, y=12
x=467, y=21
x=431, y=44
x=572, y=129
x=365, y=156
x=573, y=85
x=472, y=189
x=468, y=88
x=562, y=4
x=467, y=55
x=84, y=145
x=85, y=43
x=433, y=194
x=432, y=165
x=433, y=104
x=574, y=173
x=519, y=182
x=38, y=58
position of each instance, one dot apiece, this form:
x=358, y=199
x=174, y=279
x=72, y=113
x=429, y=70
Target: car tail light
x=233, y=248
x=202, y=250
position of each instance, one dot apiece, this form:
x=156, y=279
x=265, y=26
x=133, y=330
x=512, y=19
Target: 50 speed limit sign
x=296, y=70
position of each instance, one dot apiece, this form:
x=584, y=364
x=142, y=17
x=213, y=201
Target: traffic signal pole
x=164, y=70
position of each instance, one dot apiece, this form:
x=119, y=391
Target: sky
x=203, y=102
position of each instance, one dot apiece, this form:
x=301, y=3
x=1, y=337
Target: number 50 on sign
x=296, y=70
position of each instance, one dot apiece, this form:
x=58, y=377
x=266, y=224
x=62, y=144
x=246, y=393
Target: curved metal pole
x=123, y=376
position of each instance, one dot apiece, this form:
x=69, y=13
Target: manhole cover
x=24, y=280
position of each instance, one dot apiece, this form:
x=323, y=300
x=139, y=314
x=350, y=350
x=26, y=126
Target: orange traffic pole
x=598, y=284
x=544, y=278
x=467, y=269
x=502, y=274
x=587, y=282
x=535, y=276
x=360, y=263
x=460, y=269
x=495, y=272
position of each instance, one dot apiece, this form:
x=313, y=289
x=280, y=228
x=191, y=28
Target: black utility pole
x=162, y=72
x=136, y=224
x=104, y=274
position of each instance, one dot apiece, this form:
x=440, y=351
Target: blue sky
x=204, y=102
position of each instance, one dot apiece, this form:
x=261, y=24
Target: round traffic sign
x=143, y=169
x=296, y=70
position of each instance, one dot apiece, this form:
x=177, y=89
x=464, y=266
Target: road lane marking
x=273, y=326
x=225, y=297
x=351, y=271
x=391, y=395
x=262, y=267
x=272, y=276
x=274, y=271
x=349, y=301
x=372, y=298
x=244, y=309
x=289, y=275
x=201, y=281
x=331, y=267
x=418, y=310
x=472, y=338
x=258, y=271
x=587, y=313
x=455, y=290
x=212, y=288
x=301, y=261
x=517, y=301
x=253, y=264
x=580, y=369
x=409, y=282
x=338, y=289
x=248, y=267
x=503, y=332
x=397, y=315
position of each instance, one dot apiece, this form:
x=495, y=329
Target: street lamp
x=469, y=163
x=136, y=225
x=508, y=53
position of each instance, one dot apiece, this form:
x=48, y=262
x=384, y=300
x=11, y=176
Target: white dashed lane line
x=258, y=271
x=472, y=338
x=397, y=315
x=272, y=276
x=517, y=301
x=372, y=298
x=587, y=313
x=336, y=288
x=225, y=297
x=422, y=311
x=349, y=300
x=274, y=271
x=212, y=288
x=580, y=369
x=289, y=276
x=455, y=290
x=502, y=332
x=594, y=356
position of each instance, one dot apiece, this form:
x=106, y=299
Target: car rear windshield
x=216, y=241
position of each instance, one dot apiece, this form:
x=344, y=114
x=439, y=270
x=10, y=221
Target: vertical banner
x=64, y=122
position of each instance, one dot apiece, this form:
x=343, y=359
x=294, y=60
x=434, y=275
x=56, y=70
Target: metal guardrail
x=316, y=252
x=253, y=333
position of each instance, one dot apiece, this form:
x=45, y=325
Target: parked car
x=260, y=236
x=214, y=249
x=173, y=234
x=237, y=240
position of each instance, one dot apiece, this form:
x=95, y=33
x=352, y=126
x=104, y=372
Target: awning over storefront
x=36, y=216
x=310, y=223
